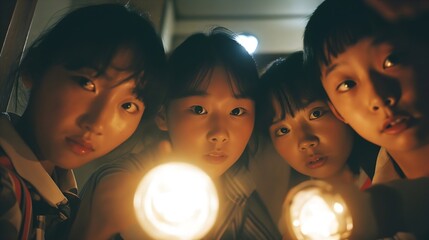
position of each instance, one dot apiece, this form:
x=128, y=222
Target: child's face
x=314, y=141
x=375, y=93
x=77, y=116
x=212, y=127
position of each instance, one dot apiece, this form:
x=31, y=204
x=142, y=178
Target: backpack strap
x=23, y=197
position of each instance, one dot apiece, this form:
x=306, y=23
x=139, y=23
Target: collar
x=29, y=167
x=238, y=184
x=384, y=168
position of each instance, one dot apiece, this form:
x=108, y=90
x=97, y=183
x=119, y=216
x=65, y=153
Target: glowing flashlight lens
x=315, y=212
x=176, y=201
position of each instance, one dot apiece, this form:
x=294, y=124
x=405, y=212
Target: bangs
x=207, y=52
x=336, y=25
x=340, y=39
x=100, y=56
x=291, y=101
x=195, y=82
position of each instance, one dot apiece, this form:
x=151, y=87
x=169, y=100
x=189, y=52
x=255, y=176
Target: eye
x=86, y=83
x=392, y=60
x=346, y=86
x=238, y=111
x=281, y=131
x=130, y=107
x=197, y=109
x=316, y=114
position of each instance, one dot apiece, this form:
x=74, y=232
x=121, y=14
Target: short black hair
x=91, y=36
x=288, y=81
x=198, y=55
x=336, y=25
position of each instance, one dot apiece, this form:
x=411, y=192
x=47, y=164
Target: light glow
x=248, y=41
x=176, y=201
x=315, y=212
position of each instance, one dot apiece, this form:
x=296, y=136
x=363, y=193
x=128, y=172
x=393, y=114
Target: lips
x=316, y=161
x=216, y=157
x=396, y=124
x=79, y=146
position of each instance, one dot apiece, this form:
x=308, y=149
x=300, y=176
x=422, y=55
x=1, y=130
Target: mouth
x=79, y=146
x=316, y=161
x=396, y=125
x=216, y=157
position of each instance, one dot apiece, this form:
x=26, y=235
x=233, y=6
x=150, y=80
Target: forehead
x=365, y=52
x=122, y=60
x=218, y=79
x=117, y=72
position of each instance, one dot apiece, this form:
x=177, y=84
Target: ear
x=335, y=112
x=161, y=119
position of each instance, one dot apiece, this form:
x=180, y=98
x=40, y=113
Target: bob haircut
x=199, y=54
x=336, y=25
x=287, y=82
x=193, y=60
x=91, y=36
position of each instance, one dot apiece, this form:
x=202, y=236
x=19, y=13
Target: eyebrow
x=276, y=121
x=330, y=69
x=203, y=93
x=125, y=80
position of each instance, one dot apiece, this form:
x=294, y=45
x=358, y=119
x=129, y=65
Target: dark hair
x=196, y=58
x=291, y=83
x=288, y=82
x=91, y=36
x=336, y=25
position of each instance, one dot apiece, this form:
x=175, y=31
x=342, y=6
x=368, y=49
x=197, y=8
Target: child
x=209, y=117
x=92, y=77
x=297, y=119
x=371, y=86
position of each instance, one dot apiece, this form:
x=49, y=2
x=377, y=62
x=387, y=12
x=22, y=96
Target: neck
x=345, y=175
x=24, y=130
x=414, y=163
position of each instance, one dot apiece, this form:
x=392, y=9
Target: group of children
x=94, y=81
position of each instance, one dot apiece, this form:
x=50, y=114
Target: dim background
x=277, y=24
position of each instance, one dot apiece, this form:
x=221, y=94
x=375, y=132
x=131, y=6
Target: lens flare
x=176, y=201
x=314, y=211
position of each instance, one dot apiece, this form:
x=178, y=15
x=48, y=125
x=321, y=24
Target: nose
x=97, y=116
x=384, y=90
x=218, y=136
x=379, y=102
x=218, y=132
x=308, y=143
x=306, y=138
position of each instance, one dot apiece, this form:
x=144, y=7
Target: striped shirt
x=242, y=214
x=33, y=205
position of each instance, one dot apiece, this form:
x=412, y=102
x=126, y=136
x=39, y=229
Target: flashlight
x=176, y=200
x=313, y=210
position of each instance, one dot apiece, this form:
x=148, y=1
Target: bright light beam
x=176, y=201
x=313, y=211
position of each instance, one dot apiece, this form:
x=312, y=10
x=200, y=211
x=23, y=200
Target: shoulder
x=11, y=188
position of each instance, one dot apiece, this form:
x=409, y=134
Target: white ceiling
x=278, y=24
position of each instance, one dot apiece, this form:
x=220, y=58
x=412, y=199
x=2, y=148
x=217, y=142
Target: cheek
x=284, y=148
x=121, y=129
x=340, y=137
x=185, y=135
